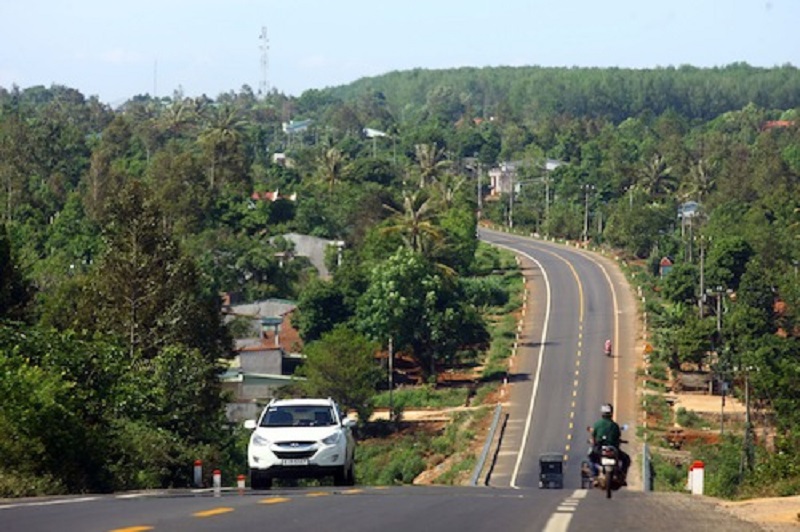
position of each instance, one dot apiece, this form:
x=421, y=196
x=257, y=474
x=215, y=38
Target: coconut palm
x=222, y=137
x=656, y=177
x=432, y=162
x=701, y=181
x=331, y=167
x=414, y=223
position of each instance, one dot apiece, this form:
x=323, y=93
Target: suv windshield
x=298, y=416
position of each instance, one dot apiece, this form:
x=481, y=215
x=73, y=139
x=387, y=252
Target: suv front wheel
x=345, y=477
x=259, y=480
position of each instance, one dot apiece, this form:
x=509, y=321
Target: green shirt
x=606, y=432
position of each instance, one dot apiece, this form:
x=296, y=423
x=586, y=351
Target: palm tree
x=180, y=116
x=701, y=181
x=656, y=177
x=446, y=187
x=332, y=167
x=414, y=223
x=432, y=162
x=222, y=136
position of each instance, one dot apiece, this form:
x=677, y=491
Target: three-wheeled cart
x=551, y=470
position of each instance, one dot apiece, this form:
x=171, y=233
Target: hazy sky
x=116, y=49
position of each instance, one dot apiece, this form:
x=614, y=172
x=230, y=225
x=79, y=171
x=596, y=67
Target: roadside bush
x=485, y=291
x=668, y=476
x=689, y=419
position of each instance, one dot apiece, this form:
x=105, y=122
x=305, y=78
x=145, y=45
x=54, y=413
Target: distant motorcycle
x=607, y=348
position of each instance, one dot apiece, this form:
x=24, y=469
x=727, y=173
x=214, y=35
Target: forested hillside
x=123, y=226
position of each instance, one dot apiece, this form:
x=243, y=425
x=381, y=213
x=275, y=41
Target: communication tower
x=263, y=86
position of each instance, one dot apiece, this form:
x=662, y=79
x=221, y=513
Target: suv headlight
x=333, y=439
x=259, y=440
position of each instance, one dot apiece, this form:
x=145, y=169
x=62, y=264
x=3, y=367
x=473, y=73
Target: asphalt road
x=576, y=300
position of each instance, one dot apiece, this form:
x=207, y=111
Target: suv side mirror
x=250, y=424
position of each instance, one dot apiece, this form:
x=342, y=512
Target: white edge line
x=527, y=430
x=48, y=503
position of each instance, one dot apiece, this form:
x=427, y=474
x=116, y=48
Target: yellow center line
x=133, y=529
x=212, y=512
x=352, y=492
x=274, y=500
x=318, y=494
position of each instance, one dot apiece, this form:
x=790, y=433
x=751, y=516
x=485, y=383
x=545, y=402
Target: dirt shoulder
x=775, y=514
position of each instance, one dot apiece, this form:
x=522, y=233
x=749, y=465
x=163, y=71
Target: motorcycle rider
x=607, y=347
x=606, y=431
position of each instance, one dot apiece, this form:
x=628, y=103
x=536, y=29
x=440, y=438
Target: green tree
x=342, y=365
x=727, y=261
x=409, y=301
x=681, y=284
x=15, y=293
x=144, y=289
x=320, y=308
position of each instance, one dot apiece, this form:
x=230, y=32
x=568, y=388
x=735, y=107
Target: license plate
x=607, y=461
x=295, y=461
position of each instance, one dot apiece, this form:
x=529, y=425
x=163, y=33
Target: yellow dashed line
x=275, y=500
x=574, y=393
x=133, y=529
x=212, y=512
x=317, y=494
x=352, y=492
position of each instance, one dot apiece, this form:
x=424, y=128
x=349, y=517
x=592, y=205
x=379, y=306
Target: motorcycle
x=605, y=471
x=607, y=348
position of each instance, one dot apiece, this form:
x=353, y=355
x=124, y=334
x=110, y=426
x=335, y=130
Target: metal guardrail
x=647, y=469
x=476, y=473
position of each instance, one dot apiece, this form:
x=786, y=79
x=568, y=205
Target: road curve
x=560, y=377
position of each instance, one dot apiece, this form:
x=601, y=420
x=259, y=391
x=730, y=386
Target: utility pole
x=702, y=298
x=391, y=379
x=511, y=202
x=586, y=189
x=480, y=196
x=546, y=198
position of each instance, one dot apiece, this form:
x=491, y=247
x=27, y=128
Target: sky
x=116, y=49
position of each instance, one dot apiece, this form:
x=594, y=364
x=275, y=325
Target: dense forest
x=122, y=227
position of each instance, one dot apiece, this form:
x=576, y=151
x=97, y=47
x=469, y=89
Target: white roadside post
x=198, y=473
x=217, y=482
x=697, y=477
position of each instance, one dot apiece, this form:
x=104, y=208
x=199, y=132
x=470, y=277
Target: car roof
x=302, y=402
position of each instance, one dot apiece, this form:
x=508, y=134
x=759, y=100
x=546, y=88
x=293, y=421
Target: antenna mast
x=263, y=87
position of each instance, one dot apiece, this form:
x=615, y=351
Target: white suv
x=300, y=438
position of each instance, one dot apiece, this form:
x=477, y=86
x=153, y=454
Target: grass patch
x=424, y=396
x=399, y=457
